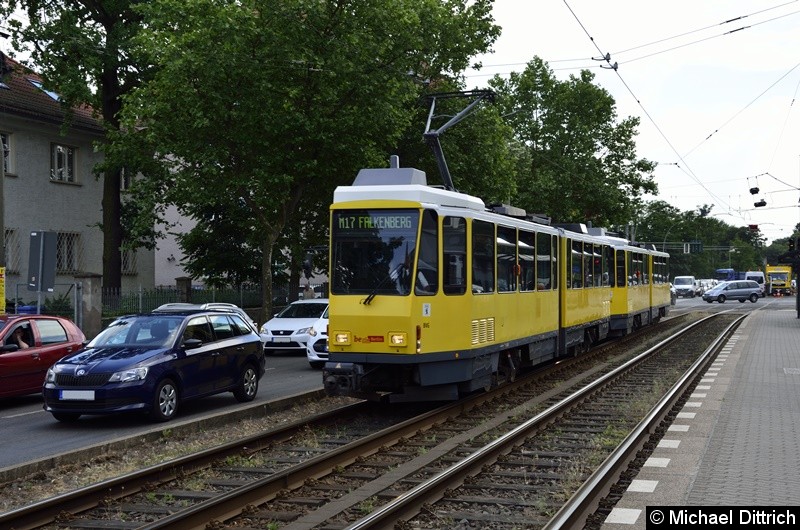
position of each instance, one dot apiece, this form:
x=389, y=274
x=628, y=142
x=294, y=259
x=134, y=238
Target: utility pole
x=3, y=184
x=3, y=207
x=3, y=308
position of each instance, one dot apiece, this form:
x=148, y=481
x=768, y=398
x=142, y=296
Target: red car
x=29, y=345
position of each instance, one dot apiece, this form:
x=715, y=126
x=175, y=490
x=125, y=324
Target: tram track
x=325, y=486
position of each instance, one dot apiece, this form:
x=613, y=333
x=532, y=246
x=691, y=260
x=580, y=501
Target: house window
x=6, y=141
x=128, y=261
x=62, y=163
x=38, y=84
x=67, y=252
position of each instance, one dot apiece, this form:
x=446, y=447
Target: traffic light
x=307, y=266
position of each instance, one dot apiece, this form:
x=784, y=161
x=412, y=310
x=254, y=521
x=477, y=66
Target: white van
x=759, y=278
x=685, y=286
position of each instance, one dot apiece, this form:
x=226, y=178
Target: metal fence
x=116, y=302
x=63, y=301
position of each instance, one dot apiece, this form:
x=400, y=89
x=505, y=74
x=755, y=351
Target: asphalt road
x=29, y=433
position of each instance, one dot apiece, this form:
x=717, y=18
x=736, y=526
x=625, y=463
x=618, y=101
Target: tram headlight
x=340, y=338
x=398, y=338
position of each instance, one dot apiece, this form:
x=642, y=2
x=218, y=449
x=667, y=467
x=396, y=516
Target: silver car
x=222, y=306
x=733, y=290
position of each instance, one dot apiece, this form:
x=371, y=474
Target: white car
x=317, y=347
x=290, y=330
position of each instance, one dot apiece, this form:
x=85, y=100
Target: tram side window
x=588, y=259
x=636, y=258
x=427, y=282
x=454, y=247
x=608, y=262
x=646, y=268
x=622, y=280
x=597, y=270
x=544, y=262
x=631, y=270
x=576, y=263
x=506, y=259
x=661, y=273
x=527, y=261
x=483, y=243
x=658, y=267
x=554, y=261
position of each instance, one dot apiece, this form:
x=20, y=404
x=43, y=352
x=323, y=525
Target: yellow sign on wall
x=2, y=289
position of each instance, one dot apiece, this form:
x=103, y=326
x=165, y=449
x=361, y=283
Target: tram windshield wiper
x=393, y=275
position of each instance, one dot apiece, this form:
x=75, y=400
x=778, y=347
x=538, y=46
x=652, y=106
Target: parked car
x=317, y=347
x=734, y=290
x=43, y=339
x=152, y=363
x=183, y=306
x=290, y=330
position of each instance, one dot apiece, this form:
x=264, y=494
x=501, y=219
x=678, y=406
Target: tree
x=583, y=165
x=82, y=51
x=263, y=102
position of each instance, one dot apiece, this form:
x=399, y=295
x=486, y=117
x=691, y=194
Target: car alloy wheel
x=165, y=404
x=248, y=385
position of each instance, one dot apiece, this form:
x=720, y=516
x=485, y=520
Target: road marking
x=23, y=414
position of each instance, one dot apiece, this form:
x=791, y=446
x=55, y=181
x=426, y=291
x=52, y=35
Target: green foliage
x=582, y=164
x=724, y=246
x=60, y=304
x=258, y=110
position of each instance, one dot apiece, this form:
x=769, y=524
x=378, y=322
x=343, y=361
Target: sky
x=715, y=84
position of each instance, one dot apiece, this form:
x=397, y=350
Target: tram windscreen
x=373, y=251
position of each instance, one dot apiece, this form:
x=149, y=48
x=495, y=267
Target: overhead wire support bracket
x=432, y=136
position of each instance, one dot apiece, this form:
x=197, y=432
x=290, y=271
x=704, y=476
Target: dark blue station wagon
x=152, y=363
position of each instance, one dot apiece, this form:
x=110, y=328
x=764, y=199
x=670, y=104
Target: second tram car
x=433, y=295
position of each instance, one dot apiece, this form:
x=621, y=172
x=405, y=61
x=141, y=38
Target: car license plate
x=77, y=395
x=282, y=339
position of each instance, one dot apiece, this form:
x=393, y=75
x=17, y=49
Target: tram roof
x=402, y=184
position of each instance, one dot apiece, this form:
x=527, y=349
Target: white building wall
x=33, y=202
x=168, y=254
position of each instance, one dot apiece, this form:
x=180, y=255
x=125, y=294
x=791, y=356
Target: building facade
x=49, y=185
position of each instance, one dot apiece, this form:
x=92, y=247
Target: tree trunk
x=112, y=231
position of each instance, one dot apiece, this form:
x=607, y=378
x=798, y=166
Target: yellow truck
x=779, y=280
